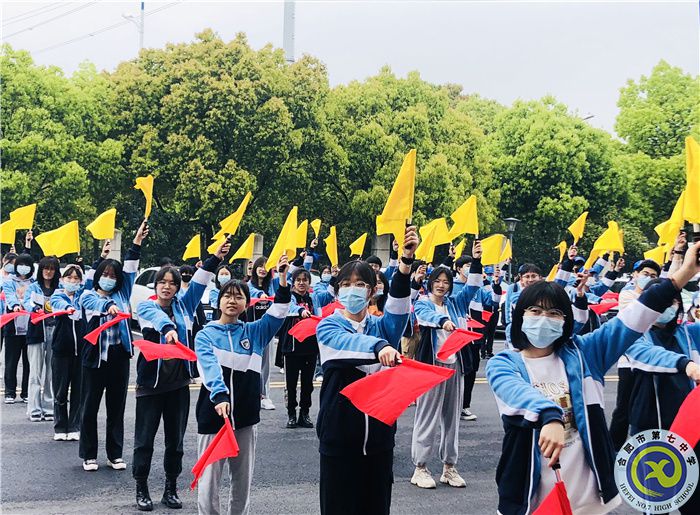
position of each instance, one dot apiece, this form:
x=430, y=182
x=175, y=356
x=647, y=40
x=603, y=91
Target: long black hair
x=255, y=280
x=24, y=259
x=48, y=262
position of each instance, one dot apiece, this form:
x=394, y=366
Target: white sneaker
x=73, y=437
x=90, y=465
x=422, y=478
x=266, y=404
x=118, y=464
x=282, y=371
x=451, y=477
x=319, y=378
x=467, y=415
x=60, y=437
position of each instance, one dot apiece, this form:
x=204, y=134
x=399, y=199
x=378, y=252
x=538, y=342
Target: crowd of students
x=548, y=382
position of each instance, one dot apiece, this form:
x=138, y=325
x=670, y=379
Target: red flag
x=474, y=324
x=458, y=339
x=224, y=445
x=556, y=502
x=38, y=316
x=599, y=309
x=687, y=421
x=329, y=309
x=152, y=350
x=305, y=329
x=387, y=394
x=255, y=300
x=486, y=316
x=610, y=295
x=9, y=317
x=92, y=336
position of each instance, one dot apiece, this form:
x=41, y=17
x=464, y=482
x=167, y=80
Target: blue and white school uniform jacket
x=229, y=358
x=430, y=320
x=155, y=323
x=94, y=308
x=348, y=353
x=20, y=325
x=70, y=329
x=35, y=300
x=524, y=410
x=256, y=293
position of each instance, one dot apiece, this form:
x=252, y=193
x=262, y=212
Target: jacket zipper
x=75, y=337
x=588, y=426
x=364, y=444
x=230, y=344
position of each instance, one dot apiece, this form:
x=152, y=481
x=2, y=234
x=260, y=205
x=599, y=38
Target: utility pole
x=140, y=23
x=288, y=31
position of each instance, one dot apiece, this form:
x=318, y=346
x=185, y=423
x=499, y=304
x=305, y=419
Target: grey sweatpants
x=265, y=371
x=40, y=394
x=437, y=411
x=240, y=471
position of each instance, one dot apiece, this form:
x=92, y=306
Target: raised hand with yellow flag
x=230, y=224
x=466, y=219
x=399, y=206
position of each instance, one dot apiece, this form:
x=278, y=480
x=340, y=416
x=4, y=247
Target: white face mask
x=542, y=331
x=223, y=279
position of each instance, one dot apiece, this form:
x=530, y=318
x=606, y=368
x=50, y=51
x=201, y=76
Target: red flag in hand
x=92, y=336
x=305, y=329
x=474, y=324
x=610, y=295
x=37, y=316
x=486, y=316
x=687, y=421
x=224, y=445
x=556, y=502
x=255, y=300
x=329, y=309
x=599, y=309
x=387, y=394
x=152, y=350
x=458, y=339
x=9, y=317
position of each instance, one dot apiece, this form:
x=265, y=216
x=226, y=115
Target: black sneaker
x=292, y=422
x=304, y=420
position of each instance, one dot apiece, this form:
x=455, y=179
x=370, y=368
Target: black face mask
x=186, y=278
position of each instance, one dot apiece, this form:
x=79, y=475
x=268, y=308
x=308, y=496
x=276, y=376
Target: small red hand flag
x=39, y=316
x=152, y=350
x=9, y=317
x=92, y=336
x=224, y=445
x=599, y=309
x=305, y=329
x=687, y=421
x=329, y=309
x=458, y=339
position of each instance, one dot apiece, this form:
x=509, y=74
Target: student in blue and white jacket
x=163, y=385
x=357, y=451
x=527, y=274
x=438, y=410
x=106, y=365
x=550, y=395
x=229, y=356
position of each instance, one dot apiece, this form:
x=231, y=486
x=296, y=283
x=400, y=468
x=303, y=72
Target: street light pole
x=511, y=223
x=140, y=23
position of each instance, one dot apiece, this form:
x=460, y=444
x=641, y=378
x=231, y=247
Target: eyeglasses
x=357, y=284
x=537, y=311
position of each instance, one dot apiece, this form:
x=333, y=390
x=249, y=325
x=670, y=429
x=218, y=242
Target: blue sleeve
x=90, y=300
x=214, y=298
x=644, y=355
x=59, y=303
x=339, y=346
x=198, y=284
x=11, y=295
x=474, y=282
x=392, y=323
x=212, y=377
x=27, y=302
x=130, y=269
x=152, y=313
x=427, y=315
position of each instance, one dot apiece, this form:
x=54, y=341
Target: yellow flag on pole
x=316, y=226
x=576, y=228
x=286, y=241
x=23, y=217
x=332, y=247
x=562, y=249
x=7, y=232
x=441, y=234
x=668, y=230
x=691, y=208
x=193, y=249
x=610, y=240
x=592, y=257
x=229, y=225
x=426, y=249
x=357, y=247
x=302, y=230
x=216, y=243
x=553, y=272
x=102, y=228
x=466, y=219
x=657, y=254
x=460, y=248
x=492, y=249
x=61, y=241
x=145, y=184
x=246, y=250
x=507, y=252
x=399, y=205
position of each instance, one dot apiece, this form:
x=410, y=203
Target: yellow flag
x=23, y=217
x=332, y=247
x=193, y=249
x=492, y=249
x=61, y=241
x=286, y=241
x=507, y=252
x=357, y=247
x=657, y=254
x=316, y=226
x=610, y=240
x=691, y=209
x=302, y=230
x=102, y=228
x=576, y=228
x=592, y=257
x=460, y=248
x=426, y=249
x=246, y=250
x=441, y=235
x=7, y=232
x=229, y=225
x=562, y=250
x=215, y=245
x=553, y=272
x=145, y=184
x=466, y=219
x=668, y=230
x=399, y=205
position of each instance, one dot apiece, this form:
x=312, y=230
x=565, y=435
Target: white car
x=144, y=288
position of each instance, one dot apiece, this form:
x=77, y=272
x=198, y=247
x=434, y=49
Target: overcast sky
x=581, y=52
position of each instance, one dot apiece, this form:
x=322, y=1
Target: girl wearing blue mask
x=67, y=348
x=106, y=364
x=550, y=392
x=221, y=277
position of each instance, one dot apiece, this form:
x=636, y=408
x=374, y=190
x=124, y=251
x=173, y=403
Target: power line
x=100, y=31
x=79, y=8
x=39, y=11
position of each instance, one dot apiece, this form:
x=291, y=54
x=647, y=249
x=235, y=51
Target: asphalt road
x=42, y=476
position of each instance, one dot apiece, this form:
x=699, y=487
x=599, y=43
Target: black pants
x=66, y=371
x=112, y=379
x=294, y=366
x=490, y=334
x=174, y=408
x=619, y=423
x=16, y=346
x=470, y=378
x=342, y=493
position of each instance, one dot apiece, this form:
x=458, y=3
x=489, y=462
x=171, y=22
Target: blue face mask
x=326, y=278
x=72, y=287
x=669, y=314
x=9, y=268
x=542, y=331
x=353, y=298
x=223, y=279
x=23, y=270
x=107, y=283
x=642, y=281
